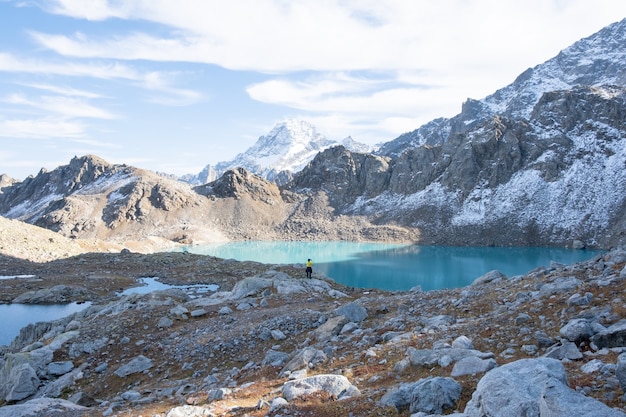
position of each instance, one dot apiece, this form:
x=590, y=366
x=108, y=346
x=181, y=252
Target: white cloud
x=44, y=128
x=104, y=70
x=65, y=91
x=434, y=54
x=167, y=94
x=66, y=106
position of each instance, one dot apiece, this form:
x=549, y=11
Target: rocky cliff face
x=92, y=199
x=539, y=162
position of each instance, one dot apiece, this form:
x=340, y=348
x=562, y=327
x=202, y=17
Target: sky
x=172, y=86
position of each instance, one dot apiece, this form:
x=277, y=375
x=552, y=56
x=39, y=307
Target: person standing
x=309, y=268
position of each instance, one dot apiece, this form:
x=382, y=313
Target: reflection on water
x=287, y=252
x=397, y=267
x=15, y=316
x=150, y=284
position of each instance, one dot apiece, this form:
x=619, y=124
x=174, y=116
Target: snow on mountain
x=541, y=161
x=286, y=149
x=593, y=61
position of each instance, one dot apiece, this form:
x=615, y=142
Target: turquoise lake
x=359, y=265
x=397, y=267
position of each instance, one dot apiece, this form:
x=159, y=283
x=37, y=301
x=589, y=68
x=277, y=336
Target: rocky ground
x=245, y=349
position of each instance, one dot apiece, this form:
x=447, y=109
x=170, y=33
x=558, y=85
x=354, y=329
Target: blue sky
x=174, y=85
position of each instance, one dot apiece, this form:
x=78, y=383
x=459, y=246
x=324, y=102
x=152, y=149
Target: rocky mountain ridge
x=91, y=199
x=540, y=163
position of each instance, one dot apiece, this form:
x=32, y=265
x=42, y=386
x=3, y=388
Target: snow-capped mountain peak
x=286, y=149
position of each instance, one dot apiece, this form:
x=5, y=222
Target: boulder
x=307, y=358
x=60, y=368
x=560, y=286
x=430, y=357
x=138, y=364
x=331, y=328
x=58, y=294
x=577, y=330
x=472, y=365
x=399, y=397
x=532, y=388
x=613, y=336
x=433, y=395
x=567, y=350
x=189, y=411
x=353, y=311
x=274, y=358
x=490, y=276
x=22, y=382
x=334, y=385
x=40, y=407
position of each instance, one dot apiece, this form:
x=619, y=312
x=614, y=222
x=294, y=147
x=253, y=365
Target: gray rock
x=22, y=382
x=165, y=322
x=278, y=403
x=399, y=397
x=275, y=358
x=462, y=342
x=250, y=286
x=334, y=385
x=613, y=336
x=224, y=311
x=83, y=399
x=559, y=286
x=198, y=313
x=440, y=321
x=331, y=328
x=353, y=311
x=58, y=294
x=55, y=388
x=580, y=300
x=532, y=388
x=567, y=350
x=131, y=395
x=40, y=407
x=244, y=306
x=307, y=358
x=218, y=394
x=577, y=330
x=402, y=365
x=73, y=325
x=189, y=411
x=178, y=311
x=620, y=370
x=521, y=319
x=592, y=366
x=60, y=368
x=472, y=365
x=430, y=357
x=433, y=395
x=278, y=335
x=490, y=276
x=136, y=365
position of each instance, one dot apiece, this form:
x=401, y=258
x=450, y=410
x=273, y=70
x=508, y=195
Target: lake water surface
x=360, y=265
x=15, y=316
x=397, y=267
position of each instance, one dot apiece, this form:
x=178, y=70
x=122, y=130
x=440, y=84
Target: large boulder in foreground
x=532, y=388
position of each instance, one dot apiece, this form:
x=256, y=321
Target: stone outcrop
x=532, y=388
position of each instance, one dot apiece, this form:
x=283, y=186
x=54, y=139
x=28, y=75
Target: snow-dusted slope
x=286, y=149
x=540, y=162
x=597, y=60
